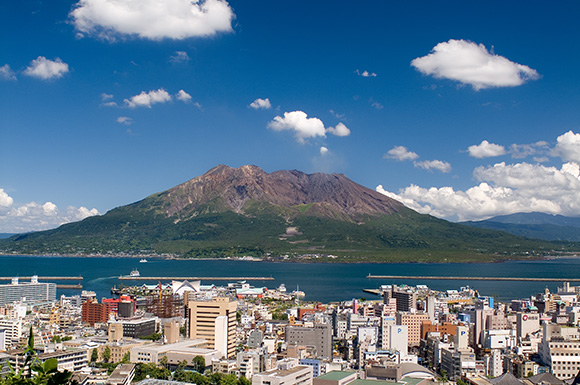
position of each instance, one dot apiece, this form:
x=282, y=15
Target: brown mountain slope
x=235, y=187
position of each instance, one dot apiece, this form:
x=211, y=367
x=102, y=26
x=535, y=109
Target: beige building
x=171, y=331
x=287, y=373
x=214, y=321
x=413, y=322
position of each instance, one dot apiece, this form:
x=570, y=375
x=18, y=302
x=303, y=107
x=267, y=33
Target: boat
x=143, y=260
x=134, y=273
x=282, y=288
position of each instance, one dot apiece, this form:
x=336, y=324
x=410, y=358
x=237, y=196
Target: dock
x=78, y=278
x=373, y=291
x=78, y=286
x=140, y=278
x=440, y=278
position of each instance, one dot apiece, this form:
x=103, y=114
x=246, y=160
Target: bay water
x=324, y=282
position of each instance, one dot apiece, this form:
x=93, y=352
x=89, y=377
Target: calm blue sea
x=320, y=282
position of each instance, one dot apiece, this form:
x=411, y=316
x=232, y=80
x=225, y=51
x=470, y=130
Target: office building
x=319, y=337
x=214, y=321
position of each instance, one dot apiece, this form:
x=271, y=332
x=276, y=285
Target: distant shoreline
x=281, y=260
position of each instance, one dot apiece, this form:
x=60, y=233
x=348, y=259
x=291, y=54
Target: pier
x=440, y=278
x=79, y=278
x=139, y=278
x=77, y=286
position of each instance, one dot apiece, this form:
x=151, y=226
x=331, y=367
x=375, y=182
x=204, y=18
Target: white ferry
x=134, y=273
x=143, y=260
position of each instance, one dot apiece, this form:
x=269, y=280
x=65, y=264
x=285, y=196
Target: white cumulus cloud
x=339, y=130
x=34, y=216
x=43, y=68
x=486, y=150
x=430, y=165
x=5, y=199
x=400, y=153
x=183, y=96
x=568, y=147
x=263, y=104
x=323, y=150
x=146, y=99
x=305, y=127
x=152, y=19
x=6, y=73
x=471, y=63
x=503, y=189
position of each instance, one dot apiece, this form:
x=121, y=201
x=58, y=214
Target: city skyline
x=462, y=111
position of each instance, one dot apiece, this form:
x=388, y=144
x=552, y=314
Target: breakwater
x=140, y=278
x=50, y=278
x=441, y=278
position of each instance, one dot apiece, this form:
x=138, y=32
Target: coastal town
x=187, y=332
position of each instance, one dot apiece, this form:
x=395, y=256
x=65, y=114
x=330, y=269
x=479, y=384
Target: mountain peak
x=232, y=188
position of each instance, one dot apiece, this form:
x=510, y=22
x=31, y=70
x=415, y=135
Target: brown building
x=94, y=312
x=446, y=328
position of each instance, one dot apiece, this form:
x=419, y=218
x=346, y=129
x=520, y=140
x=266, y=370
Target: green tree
x=106, y=354
x=163, y=361
x=94, y=355
x=126, y=358
x=34, y=372
x=198, y=363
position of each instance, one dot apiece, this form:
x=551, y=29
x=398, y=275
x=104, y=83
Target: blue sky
x=463, y=110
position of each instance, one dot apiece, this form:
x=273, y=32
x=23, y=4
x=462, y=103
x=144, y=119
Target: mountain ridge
x=534, y=225
x=246, y=211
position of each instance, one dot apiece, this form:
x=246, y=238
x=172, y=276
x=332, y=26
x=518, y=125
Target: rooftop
x=335, y=375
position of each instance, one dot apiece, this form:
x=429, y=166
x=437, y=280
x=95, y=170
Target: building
x=125, y=302
x=413, y=321
x=445, y=328
x=10, y=333
x=137, y=328
x=335, y=378
x=175, y=353
x=224, y=366
x=286, y=374
x=319, y=337
x=214, y=321
x=71, y=359
x=457, y=362
x=33, y=291
x=560, y=349
x=406, y=299
x=93, y=312
x=122, y=375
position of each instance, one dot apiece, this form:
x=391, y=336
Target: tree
x=198, y=364
x=126, y=358
x=163, y=361
x=38, y=373
x=106, y=354
x=94, y=355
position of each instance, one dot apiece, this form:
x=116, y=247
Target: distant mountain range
x=280, y=215
x=534, y=225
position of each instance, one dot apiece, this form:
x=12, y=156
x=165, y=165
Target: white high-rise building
x=12, y=331
x=32, y=291
x=399, y=339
